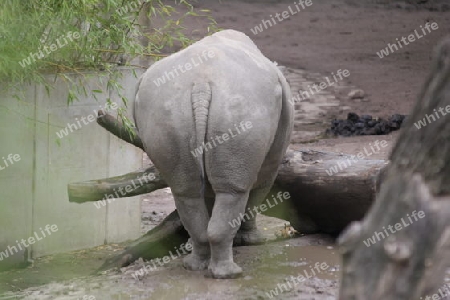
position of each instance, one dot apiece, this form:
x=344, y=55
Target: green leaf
x=106, y=38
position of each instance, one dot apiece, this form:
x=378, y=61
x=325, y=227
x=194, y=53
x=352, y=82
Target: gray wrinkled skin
x=238, y=84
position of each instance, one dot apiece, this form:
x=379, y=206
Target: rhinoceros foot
x=224, y=270
x=248, y=237
x=195, y=263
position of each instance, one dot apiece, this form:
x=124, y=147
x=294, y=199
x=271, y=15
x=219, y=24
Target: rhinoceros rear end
x=215, y=119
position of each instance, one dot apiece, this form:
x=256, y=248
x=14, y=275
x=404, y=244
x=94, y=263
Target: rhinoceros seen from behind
x=215, y=119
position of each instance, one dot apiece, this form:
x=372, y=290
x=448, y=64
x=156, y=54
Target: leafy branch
x=88, y=38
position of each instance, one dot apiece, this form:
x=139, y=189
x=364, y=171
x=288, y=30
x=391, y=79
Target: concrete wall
x=33, y=190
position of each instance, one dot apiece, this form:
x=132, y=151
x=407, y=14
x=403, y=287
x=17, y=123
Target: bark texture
x=136, y=183
x=318, y=203
x=158, y=242
x=116, y=127
x=411, y=262
x=322, y=201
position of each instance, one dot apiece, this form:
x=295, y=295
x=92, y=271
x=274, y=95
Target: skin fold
x=221, y=96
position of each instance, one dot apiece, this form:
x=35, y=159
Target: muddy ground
x=325, y=37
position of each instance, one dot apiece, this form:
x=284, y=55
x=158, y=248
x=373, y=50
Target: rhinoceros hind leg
x=248, y=234
x=249, y=238
x=221, y=232
x=194, y=216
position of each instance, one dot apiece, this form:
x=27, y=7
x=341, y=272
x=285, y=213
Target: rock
x=368, y=131
x=398, y=118
x=366, y=118
x=393, y=125
x=371, y=123
x=356, y=94
x=364, y=125
x=352, y=117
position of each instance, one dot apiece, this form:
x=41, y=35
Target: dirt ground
x=325, y=37
x=341, y=34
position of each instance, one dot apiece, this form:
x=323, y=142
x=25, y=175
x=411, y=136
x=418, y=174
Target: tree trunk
x=167, y=236
x=114, y=126
x=319, y=201
x=132, y=184
x=413, y=202
x=324, y=201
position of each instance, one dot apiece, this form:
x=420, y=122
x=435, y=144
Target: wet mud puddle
x=281, y=273
x=305, y=268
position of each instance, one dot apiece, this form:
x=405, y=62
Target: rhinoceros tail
x=201, y=98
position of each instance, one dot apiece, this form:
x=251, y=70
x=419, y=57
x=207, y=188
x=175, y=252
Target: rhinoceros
x=215, y=118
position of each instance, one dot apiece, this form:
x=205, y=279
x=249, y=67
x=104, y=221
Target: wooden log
x=319, y=202
x=317, y=199
x=117, y=128
x=325, y=201
x=409, y=224
x=322, y=202
x=167, y=236
x=132, y=184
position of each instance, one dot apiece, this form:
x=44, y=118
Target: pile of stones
x=365, y=125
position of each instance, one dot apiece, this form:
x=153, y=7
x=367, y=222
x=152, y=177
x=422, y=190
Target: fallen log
x=116, y=127
x=324, y=201
x=319, y=202
x=135, y=183
x=405, y=239
x=309, y=164
x=158, y=242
